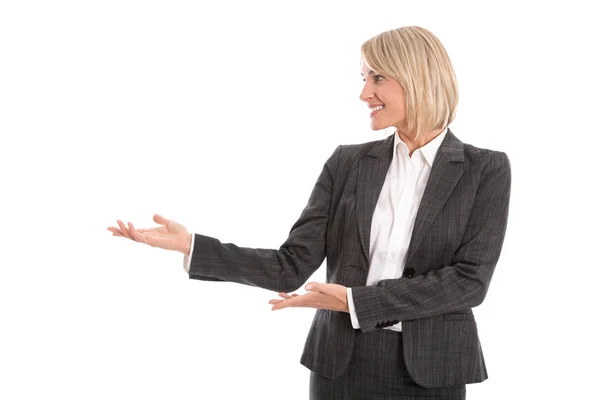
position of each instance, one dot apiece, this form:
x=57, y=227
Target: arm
x=461, y=285
x=187, y=262
x=282, y=270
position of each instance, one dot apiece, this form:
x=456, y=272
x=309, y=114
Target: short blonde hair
x=418, y=61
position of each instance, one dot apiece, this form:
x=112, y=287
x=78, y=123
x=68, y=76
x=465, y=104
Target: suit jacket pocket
x=329, y=344
x=353, y=275
x=444, y=350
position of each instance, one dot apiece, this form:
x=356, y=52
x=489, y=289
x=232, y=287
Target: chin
x=378, y=127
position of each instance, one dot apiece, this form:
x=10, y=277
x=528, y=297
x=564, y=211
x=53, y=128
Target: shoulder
x=375, y=148
x=485, y=159
x=358, y=150
x=346, y=156
x=488, y=166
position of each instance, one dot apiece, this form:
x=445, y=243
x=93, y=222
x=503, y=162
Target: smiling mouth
x=376, y=110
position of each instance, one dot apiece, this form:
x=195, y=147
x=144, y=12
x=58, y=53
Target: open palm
x=170, y=235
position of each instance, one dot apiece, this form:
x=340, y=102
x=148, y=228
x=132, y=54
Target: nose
x=366, y=93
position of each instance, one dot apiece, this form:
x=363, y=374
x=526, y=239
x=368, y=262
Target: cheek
x=394, y=111
x=398, y=108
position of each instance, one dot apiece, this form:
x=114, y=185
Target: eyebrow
x=369, y=73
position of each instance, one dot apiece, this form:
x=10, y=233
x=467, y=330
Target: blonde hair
x=418, y=61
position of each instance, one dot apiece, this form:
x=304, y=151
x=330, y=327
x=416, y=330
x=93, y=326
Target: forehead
x=368, y=73
x=364, y=69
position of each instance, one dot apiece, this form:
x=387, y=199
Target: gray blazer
x=455, y=245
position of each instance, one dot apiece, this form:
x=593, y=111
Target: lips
x=377, y=110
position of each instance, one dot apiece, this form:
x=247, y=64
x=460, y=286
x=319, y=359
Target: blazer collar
x=451, y=146
x=429, y=151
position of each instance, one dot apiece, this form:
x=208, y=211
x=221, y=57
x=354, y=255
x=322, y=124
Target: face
x=383, y=90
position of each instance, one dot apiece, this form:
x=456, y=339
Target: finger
x=114, y=231
x=319, y=287
x=124, y=229
x=278, y=304
x=284, y=295
x=120, y=230
x=159, y=219
x=131, y=231
x=136, y=236
x=158, y=229
x=296, y=301
x=281, y=304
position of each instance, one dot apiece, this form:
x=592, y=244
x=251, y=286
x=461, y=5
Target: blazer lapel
x=372, y=170
x=447, y=169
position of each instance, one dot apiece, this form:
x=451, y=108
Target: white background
x=220, y=115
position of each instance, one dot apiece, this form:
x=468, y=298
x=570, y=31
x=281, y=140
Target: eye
x=376, y=78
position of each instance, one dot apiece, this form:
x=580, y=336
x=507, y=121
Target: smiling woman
x=412, y=227
x=409, y=77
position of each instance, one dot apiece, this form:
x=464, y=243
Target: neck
x=413, y=144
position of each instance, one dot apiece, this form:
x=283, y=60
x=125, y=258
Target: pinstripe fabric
x=377, y=371
x=455, y=245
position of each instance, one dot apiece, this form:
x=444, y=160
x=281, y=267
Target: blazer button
x=409, y=272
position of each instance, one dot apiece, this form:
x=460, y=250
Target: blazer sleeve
x=282, y=270
x=461, y=285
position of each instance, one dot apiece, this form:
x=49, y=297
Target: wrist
x=187, y=244
x=347, y=309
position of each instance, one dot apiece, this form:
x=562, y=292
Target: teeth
x=377, y=108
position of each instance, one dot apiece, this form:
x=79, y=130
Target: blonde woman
x=412, y=227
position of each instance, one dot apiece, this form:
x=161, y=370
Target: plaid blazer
x=455, y=245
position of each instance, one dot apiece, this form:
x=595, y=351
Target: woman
x=412, y=227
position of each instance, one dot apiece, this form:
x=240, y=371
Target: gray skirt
x=377, y=372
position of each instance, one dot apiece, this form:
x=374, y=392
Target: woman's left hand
x=328, y=296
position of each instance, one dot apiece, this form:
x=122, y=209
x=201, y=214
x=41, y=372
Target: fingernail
x=308, y=287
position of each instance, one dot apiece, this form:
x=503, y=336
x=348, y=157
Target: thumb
x=159, y=219
x=312, y=286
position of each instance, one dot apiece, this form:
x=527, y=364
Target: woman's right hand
x=170, y=236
